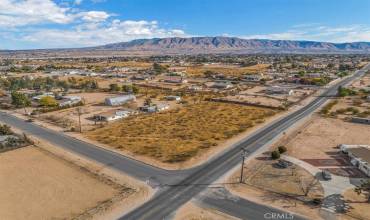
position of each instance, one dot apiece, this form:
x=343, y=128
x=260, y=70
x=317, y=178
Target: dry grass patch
x=230, y=71
x=180, y=134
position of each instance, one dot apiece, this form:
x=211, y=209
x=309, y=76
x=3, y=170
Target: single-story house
x=175, y=79
x=38, y=97
x=148, y=108
x=141, y=77
x=112, y=115
x=69, y=100
x=279, y=90
x=252, y=77
x=154, y=108
x=359, y=155
x=221, y=85
x=119, y=100
x=173, y=98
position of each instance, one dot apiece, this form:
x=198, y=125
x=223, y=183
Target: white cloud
x=92, y=34
x=317, y=32
x=94, y=16
x=78, y=2
x=16, y=13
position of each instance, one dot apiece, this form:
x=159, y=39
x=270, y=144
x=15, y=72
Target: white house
x=221, y=85
x=279, y=90
x=173, y=98
x=252, y=77
x=119, y=100
x=69, y=100
x=38, y=97
x=359, y=155
x=112, y=115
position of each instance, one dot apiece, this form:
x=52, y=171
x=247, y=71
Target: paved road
x=172, y=197
x=223, y=201
x=178, y=187
x=134, y=168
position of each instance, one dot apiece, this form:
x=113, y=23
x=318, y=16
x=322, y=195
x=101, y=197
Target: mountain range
x=199, y=45
x=234, y=45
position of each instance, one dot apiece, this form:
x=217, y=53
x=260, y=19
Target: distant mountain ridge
x=233, y=44
x=195, y=45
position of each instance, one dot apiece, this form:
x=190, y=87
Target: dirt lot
x=359, y=207
x=191, y=211
x=37, y=185
x=180, y=134
x=319, y=138
x=227, y=70
x=281, y=188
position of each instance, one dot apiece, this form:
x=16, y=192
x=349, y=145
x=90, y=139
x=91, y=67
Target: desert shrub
x=275, y=155
x=282, y=149
x=5, y=130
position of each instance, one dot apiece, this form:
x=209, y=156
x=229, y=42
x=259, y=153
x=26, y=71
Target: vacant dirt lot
x=359, y=207
x=319, y=138
x=281, y=188
x=179, y=134
x=191, y=211
x=37, y=185
x=227, y=70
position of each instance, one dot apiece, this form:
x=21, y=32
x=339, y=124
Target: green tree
x=135, y=89
x=158, y=69
x=282, y=149
x=275, y=155
x=20, y=100
x=114, y=87
x=48, y=101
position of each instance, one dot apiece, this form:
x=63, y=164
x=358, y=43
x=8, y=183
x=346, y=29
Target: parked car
x=283, y=164
x=326, y=175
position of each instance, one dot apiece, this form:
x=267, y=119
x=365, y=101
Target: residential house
x=173, y=98
x=112, y=115
x=69, y=101
x=120, y=100
x=175, y=79
x=38, y=97
x=221, y=85
x=359, y=155
x=277, y=90
x=252, y=77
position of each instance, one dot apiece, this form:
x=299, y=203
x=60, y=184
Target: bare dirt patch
x=359, y=207
x=192, y=212
x=281, y=188
x=37, y=185
x=319, y=138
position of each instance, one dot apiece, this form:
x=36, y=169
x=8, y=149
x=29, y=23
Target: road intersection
x=176, y=187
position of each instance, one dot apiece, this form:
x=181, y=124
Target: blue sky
x=78, y=23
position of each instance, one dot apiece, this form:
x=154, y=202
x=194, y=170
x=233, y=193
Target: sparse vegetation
x=180, y=134
x=275, y=155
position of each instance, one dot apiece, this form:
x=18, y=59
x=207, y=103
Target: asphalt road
x=134, y=168
x=177, y=187
x=172, y=197
x=223, y=201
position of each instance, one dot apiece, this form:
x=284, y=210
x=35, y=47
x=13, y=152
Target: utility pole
x=79, y=118
x=244, y=153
